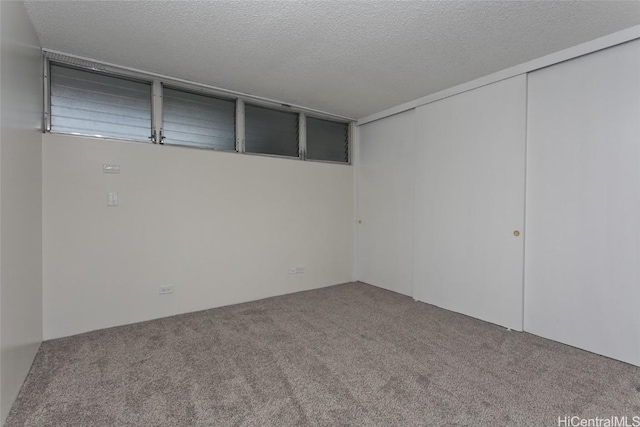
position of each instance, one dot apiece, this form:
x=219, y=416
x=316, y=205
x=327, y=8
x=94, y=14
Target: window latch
x=157, y=137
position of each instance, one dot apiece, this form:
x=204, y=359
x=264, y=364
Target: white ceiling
x=346, y=57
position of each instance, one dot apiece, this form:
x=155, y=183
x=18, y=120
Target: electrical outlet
x=110, y=168
x=164, y=290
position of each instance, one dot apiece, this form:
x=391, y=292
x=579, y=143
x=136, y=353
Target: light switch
x=110, y=168
x=112, y=199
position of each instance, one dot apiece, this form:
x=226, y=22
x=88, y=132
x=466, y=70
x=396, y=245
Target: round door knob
x=516, y=233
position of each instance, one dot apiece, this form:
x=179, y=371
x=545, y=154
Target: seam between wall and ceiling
x=573, y=52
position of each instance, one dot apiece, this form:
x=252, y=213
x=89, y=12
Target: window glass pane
x=99, y=104
x=327, y=140
x=198, y=120
x=270, y=131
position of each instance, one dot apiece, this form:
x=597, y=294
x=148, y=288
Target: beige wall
x=20, y=200
x=222, y=228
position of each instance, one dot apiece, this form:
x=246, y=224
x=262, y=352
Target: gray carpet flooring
x=350, y=354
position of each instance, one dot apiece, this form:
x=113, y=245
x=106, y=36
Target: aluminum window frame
x=158, y=81
x=283, y=108
x=351, y=132
x=192, y=91
x=86, y=68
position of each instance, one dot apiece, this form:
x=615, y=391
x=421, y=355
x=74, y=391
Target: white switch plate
x=106, y=168
x=112, y=199
x=164, y=290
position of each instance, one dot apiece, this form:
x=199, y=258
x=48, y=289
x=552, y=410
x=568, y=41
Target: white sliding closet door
x=385, y=202
x=469, y=200
x=582, y=281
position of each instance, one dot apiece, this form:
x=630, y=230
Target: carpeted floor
x=350, y=354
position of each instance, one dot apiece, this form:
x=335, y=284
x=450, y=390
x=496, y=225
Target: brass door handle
x=516, y=233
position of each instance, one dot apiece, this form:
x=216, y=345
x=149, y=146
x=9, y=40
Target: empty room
x=319, y=213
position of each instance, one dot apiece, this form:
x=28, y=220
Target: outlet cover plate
x=164, y=290
x=107, y=168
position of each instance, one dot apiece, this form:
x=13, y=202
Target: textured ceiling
x=346, y=57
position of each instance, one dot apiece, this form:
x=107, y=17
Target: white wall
x=20, y=200
x=223, y=228
x=583, y=203
x=385, y=202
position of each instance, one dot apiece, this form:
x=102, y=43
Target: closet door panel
x=469, y=201
x=582, y=282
